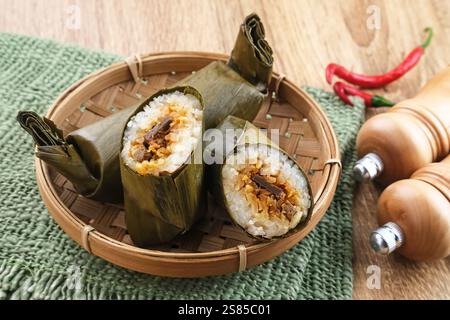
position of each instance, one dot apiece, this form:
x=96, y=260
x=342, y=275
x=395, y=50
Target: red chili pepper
x=380, y=80
x=343, y=90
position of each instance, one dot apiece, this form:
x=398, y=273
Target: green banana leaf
x=89, y=157
x=157, y=208
x=244, y=134
x=252, y=55
x=228, y=94
x=239, y=87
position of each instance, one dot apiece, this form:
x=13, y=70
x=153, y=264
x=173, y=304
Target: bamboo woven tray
x=214, y=246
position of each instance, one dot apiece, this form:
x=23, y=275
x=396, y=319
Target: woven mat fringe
x=38, y=261
x=18, y=284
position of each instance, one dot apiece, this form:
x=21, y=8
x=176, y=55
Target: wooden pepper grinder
x=415, y=214
x=413, y=133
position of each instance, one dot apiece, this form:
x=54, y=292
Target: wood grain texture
x=306, y=35
x=406, y=137
x=426, y=227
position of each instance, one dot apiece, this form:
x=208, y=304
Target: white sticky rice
x=245, y=203
x=184, y=134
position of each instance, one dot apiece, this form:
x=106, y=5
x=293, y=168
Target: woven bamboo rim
x=307, y=134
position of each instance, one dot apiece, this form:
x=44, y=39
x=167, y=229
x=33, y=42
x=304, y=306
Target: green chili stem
x=429, y=37
x=379, y=101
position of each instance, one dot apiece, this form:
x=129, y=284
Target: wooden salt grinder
x=415, y=215
x=413, y=133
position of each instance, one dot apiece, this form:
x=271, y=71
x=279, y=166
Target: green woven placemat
x=38, y=260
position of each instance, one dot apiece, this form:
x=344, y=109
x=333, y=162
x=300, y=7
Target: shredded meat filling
x=154, y=141
x=268, y=196
x=263, y=183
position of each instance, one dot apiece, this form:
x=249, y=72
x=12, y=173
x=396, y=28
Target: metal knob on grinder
x=387, y=238
x=368, y=167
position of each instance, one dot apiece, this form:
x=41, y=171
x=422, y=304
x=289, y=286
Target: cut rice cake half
x=160, y=138
x=265, y=191
x=160, y=164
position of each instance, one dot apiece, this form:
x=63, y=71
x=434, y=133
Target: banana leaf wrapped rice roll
x=251, y=56
x=89, y=157
x=239, y=86
x=262, y=188
x=161, y=166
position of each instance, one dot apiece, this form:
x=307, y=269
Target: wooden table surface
x=305, y=35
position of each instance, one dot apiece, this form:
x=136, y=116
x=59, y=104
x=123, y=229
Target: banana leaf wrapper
x=244, y=134
x=252, y=55
x=87, y=157
x=227, y=94
x=158, y=208
x=238, y=87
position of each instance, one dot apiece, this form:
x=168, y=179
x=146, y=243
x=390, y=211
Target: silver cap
x=368, y=167
x=387, y=238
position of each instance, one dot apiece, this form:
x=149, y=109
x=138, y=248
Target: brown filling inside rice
x=152, y=145
x=267, y=194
